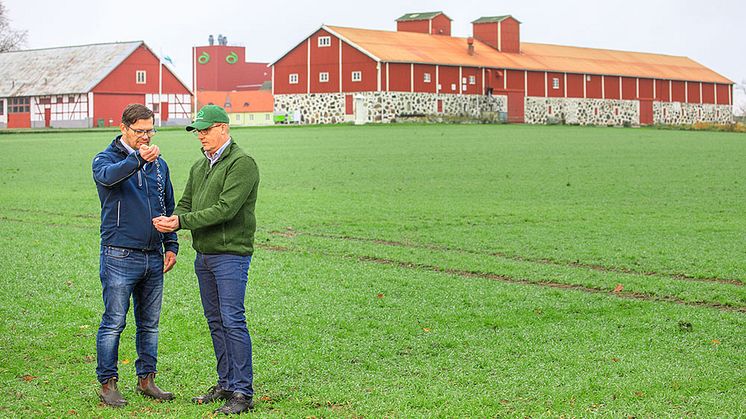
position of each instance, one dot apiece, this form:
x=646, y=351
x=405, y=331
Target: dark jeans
x=222, y=287
x=125, y=273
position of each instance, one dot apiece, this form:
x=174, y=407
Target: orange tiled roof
x=240, y=101
x=410, y=47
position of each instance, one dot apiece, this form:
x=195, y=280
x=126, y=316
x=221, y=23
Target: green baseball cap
x=207, y=116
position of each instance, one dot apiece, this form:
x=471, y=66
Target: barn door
x=47, y=117
x=646, y=112
x=164, y=111
x=516, y=107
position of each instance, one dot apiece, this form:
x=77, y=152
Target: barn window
x=426, y=77
x=251, y=117
x=555, y=83
x=70, y=99
x=325, y=41
x=2, y=107
x=472, y=80
x=324, y=77
x=293, y=79
x=140, y=77
x=357, y=75
x=156, y=108
x=19, y=105
x=453, y=86
x=238, y=117
x=266, y=117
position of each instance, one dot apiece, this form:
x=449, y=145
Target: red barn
x=224, y=68
x=338, y=74
x=87, y=86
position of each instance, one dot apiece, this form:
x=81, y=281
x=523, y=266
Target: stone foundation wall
x=541, y=110
x=677, y=113
x=329, y=108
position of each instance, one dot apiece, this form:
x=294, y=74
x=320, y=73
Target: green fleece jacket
x=218, y=203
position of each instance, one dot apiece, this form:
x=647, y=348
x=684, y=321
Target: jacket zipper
x=119, y=203
x=150, y=210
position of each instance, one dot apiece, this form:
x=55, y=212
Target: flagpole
x=160, y=90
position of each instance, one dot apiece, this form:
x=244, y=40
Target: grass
x=411, y=271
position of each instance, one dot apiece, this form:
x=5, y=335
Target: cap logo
x=200, y=115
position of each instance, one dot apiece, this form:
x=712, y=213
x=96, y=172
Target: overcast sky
x=710, y=32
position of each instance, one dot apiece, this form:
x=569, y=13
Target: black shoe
x=214, y=393
x=237, y=404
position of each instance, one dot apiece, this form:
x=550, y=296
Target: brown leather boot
x=146, y=386
x=110, y=394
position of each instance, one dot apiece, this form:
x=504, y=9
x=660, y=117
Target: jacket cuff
x=172, y=247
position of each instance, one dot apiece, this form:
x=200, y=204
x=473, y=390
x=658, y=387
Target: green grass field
x=409, y=271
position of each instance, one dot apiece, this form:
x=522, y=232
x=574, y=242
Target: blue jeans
x=125, y=273
x=222, y=288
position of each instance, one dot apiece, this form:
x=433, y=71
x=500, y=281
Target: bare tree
x=10, y=39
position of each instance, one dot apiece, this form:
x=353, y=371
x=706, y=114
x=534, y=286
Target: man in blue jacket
x=134, y=187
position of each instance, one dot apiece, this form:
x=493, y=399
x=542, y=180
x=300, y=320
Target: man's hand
x=166, y=224
x=169, y=260
x=149, y=153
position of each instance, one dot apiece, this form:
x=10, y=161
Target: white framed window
x=325, y=41
x=140, y=77
x=357, y=75
x=463, y=80
x=453, y=87
x=266, y=117
x=426, y=77
x=293, y=78
x=472, y=80
x=251, y=117
x=555, y=83
x=324, y=77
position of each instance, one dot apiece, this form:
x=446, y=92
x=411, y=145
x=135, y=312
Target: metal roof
x=411, y=47
x=494, y=19
x=51, y=71
x=421, y=16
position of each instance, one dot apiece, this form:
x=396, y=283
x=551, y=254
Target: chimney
x=470, y=42
x=500, y=32
x=433, y=23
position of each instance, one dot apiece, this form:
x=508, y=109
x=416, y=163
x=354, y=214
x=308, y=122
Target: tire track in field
x=518, y=258
x=58, y=214
x=512, y=280
x=549, y=284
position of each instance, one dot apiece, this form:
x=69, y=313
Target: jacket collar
x=117, y=145
x=225, y=154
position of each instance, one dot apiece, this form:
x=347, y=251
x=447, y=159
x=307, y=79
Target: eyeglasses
x=143, y=132
x=198, y=132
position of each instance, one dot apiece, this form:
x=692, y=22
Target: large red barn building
x=337, y=74
x=88, y=86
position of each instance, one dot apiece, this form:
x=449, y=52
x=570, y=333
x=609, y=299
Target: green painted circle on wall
x=231, y=58
x=204, y=58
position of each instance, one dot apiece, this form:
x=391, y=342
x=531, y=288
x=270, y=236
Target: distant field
x=409, y=270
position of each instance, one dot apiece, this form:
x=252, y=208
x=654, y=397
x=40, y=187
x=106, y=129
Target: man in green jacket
x=218, y=207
